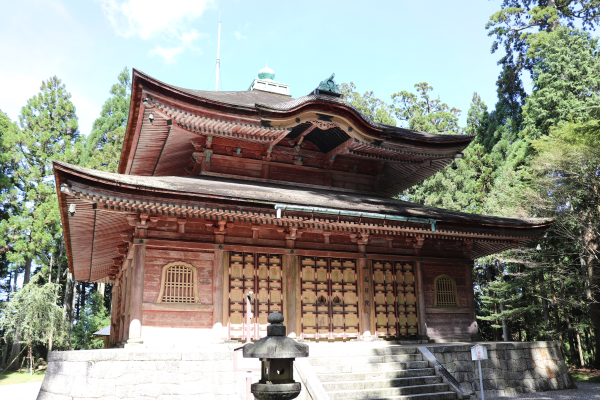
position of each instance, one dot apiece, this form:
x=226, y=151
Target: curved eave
x=386, y=132
x=182, y=188
x=389, y=135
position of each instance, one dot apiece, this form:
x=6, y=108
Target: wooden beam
x=344, y=147
x=300, y=138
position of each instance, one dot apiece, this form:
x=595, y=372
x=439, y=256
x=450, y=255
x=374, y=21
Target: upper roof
x=259, y=124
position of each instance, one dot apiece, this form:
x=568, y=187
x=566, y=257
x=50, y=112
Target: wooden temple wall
x=324, y=298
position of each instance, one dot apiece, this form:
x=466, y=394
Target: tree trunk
x=554, y=24
x=30, y=360
x=16, y=347
x=578, y=336
x=27, y=271
x=557, y=321
x=504, y=329
x=101, y=287
x=571, y=339
x=68, y=304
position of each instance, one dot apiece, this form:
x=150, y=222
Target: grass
x=14, y=377
x=580, y=375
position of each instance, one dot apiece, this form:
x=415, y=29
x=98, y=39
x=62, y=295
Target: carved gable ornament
x=329, y=87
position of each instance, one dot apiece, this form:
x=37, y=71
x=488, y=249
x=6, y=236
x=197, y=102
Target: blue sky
x=384, y=46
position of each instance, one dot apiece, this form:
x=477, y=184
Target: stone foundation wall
x=175, y=374
x=511, y=368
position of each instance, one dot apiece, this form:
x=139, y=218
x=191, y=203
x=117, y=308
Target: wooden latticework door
x=395, y=299
x=329, y=298
x=261, y=274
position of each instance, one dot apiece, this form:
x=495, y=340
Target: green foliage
x=48, y=130
x=103, y=146
x=94, y=317
x=519, y=21
x=377, y=110
x=424, y=113
x=566, y=80
x=33, y=316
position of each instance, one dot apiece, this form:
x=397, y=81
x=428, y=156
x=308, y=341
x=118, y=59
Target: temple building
x=220, y=194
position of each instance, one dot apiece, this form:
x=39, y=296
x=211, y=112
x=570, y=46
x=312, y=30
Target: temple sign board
x=478, y=353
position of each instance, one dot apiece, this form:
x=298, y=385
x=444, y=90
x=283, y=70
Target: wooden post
x=114, y=312
x=225, y=295
x=217, y=299
x=471, y=301
x=290, y=310
x=421, y=313
x=137, y=293
x=365, y=298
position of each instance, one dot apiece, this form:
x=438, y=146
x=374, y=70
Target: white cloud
x=170, y=53
x=239, y=36
x=146, y=18
x=149, y=19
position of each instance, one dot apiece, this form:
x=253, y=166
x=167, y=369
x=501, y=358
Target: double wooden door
x=261, y=274
x=329, y=301
x=394, y=292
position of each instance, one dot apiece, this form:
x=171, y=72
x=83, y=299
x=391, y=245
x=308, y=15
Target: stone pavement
x=585, y=391
x=20, y=391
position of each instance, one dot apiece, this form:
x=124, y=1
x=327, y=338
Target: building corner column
x=421, y=311
x=365, y=298
x=217, y=297
x=290, y=310
x=473, y=329
x=137, y=294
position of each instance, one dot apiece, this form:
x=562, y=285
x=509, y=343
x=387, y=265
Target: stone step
x=381, y=383
x=385, y=393
x=356, y=360
x=367, y=376
x=359, y=350
x=425, y=396
x=375, y=367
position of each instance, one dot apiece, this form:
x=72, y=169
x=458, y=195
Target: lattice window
x=178, y=283
x=445, y=291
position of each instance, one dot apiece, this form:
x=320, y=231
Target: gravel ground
x=20, y=391
x=585, y=391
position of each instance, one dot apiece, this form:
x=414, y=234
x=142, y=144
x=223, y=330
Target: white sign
x=479, y=352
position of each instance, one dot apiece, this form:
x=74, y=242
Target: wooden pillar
x=137, y=293
x=225, y=295
x=126, y=298
x=217, y=297
x=471, y=301
x=290, y=295
x=114, y=312
x=365, y=298
x=421, y=312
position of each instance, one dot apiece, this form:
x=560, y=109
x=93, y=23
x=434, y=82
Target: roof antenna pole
x=218, y=51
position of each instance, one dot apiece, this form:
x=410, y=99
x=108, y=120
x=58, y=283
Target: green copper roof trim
x=329, y=85
x=344, y=213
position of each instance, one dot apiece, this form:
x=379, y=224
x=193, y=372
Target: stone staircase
x=372, y=371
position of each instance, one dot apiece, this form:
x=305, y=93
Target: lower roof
x=95, y=232
x=268, y=193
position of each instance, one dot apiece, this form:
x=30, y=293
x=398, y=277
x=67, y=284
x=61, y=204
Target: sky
x=383, y=46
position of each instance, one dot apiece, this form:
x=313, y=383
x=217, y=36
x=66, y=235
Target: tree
x=518, y=21
x=566, y=78
x=103, y=146
x=377, y=110
x=48, y=130
x=424, y=113
x=93, y=317
x=566, y=184
x=32, y=316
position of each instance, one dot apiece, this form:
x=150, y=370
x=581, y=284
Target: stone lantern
x=277, y=353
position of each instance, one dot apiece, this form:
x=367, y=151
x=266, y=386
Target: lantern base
x=281, y=391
